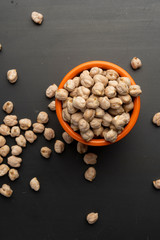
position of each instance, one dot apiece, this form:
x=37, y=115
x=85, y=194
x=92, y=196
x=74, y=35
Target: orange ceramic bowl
x=75, y=72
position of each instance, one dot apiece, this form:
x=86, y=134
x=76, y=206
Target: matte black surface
x=75, y=31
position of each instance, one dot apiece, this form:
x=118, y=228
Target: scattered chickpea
x=46, y=152
x=15, y=131
x=49, y=134
x=37, y=17
x=50, y=92
x=13, y=174
x=3, y=169
x=90, y=174
x=136, y=63
x=135, y=90
x=42, y=117
x=1, y=159
x=52, y=106
x=2, y=141
x=156, y=184
x=4, y=150
x=8, y=107
x=81, y=148
x=14, y=161
x=30, y=136
x=16, y=150
x=6, y=191
x=90, y=158
x=25, y=123
x=156, y=119
x=21, y=141
x=35, y=184
x=10, y=120
x=12, y=75
x=67, y=138
x=61, y=94
x=4, y=130
x=38, y=127
x=92, y=217
x=88, y=135
x=110, y=92
x=59, y=146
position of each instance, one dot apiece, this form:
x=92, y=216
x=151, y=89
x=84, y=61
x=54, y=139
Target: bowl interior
x=75, y=72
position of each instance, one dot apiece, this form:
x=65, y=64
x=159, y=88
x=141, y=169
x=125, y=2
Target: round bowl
x=75, y=72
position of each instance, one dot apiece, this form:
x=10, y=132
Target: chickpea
x=88, y=135
x=112, y=127
x=65, y=115
x=75, y=128
x=95, y=70
x=125, y=99
x=113, y=83
x=25, y=123
x=13, y=174
x=90, y=174
x=110, y=92
x=105, y=131
x=14, y=161
x=30, y=136
x=37, y=17
x=128, y=107
x=2, y=141
x=10, y=120
x=121, y=120
x=4, y=150
x=67, y=138
x=16, y=150
x=112, y=75
x=104, y=103
x=99, y=112
x=8, y=107
x=76, y=117
x=98, y=131
x=52, y=106
x=122, y=88
x=74, y=93
x=126, y=80
x=3, y=169
x=38, y=127
x=83, y=92
x=98, y=89
x=61, y=94
x=59, y=146
x=69, y=85
x=84, y=74
x=92, y=102
x=4, y=130
x=96, y=123
x=71, y=109
x=21, y=141
x=115, y=103
x=83, y=125
x=106, y=120
x=92, y=217
x=46, y=152
x=79, y=102
x=12, y=75
x=1, y=159
x=15, y=131
x=156, y=184
x=6, y=191
x=135, y=90
x=115, y=112
x=87, y=81
x=42, y=117
x=90, y=158
x=0, y=47
x=136, y=63
x=156, y=119
x=35, y=184
x=81, y=148
x=110, y=135
x=76, y=81
x=50, y=92
x=100, y=78
x=89, y=114
x=49, y=134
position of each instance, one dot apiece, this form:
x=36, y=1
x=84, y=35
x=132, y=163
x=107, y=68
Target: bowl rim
x=75, y=72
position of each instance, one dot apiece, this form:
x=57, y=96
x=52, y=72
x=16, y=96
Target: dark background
x=75, y=31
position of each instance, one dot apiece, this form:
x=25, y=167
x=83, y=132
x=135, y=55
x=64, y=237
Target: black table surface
x=73, y=32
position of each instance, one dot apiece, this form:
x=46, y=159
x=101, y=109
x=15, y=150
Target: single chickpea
x=122, y=88
x=35, y=184
x=13, y=174
x=83, y=92
x=115, y=112
x=89, y=114
x=95, y=70
x=37, y=17
x=1, y=159
x=136, y=63
x=14, y=161
x=76, y=117
x=2, y=141
x=25, y=123
x=99, y=112
x=126, y=80
x=156, y=119
x=52, y=106
x=6, y=191
x=30, y=136
x=81, y=148
x=87, y=81
x=90, y=158
x=15, y=131
x=74, y=93
x=4, y=150
x=128, y=107
x=90, y=174
x=84, y=74
x=71, y=109
x=69, y=85
x=65, y=115
x=104, y=103
x=16, y=150
x=59, y=146
x=83, y=125
x=38, y=127
x=10, y=120
x=61, y=94
x=76, y=81
x=67, y=138
x=46, y=152
x=8, y=107
x=79, y=102
x=125, y=99
x=12, y=75
x=120, y=121
x=96, y=123
x=75, y=128
x=92, y=217
x=98, y=89
x=21, y=141
x=110, y=92
x=92, y=102
x=135, y=90
x=3, y=169
x=42, y=117
x=110, y=136
x=50, y=92
x=113, y=83
x=115, y=103
x=88, y=135
x=156, y=184
x=100, y=78
x=4, y=130
x=112, y=75
x=106, y=120
x=49, y=134
x=98, y=131
x=105, y=131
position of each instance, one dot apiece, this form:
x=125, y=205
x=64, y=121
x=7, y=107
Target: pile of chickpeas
x=97, y=103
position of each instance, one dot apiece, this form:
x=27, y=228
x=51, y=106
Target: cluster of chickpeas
x=97, y=103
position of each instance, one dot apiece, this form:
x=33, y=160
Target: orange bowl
x=75, y=72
